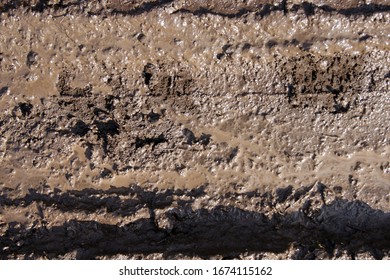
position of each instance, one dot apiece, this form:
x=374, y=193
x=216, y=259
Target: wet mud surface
x=187, y=129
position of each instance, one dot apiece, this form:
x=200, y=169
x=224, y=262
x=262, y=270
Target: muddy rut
x=194, y=129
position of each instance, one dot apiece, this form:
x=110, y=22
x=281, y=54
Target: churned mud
x=181, y=129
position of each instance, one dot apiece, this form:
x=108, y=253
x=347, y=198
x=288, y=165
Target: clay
x=245, y=130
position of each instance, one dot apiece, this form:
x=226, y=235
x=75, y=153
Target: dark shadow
x=39, y=5
x=43, y=5
x=3, y=91
x=153, y=141
x=106, y=129
x=365, y=9
x=205, y=11
x=308, y=8
x=143, y=8
x=223, y=230
x=264, y=10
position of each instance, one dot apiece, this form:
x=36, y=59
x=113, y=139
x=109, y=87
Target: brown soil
x=186, y=129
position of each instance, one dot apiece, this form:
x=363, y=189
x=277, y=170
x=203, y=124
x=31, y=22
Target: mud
x=187, y=129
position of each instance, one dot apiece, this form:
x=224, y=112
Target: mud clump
x=186, y=129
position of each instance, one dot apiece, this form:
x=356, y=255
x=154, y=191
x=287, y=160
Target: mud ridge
x=91, y=200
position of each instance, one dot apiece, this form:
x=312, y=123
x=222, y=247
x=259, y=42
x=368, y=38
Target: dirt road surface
x=162, y=129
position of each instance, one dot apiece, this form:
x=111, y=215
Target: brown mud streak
x=314, y=231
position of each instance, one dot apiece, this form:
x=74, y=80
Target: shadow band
x=262, y=11
x=228, y=231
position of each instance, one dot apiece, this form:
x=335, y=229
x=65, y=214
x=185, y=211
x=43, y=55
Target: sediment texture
x=194, y=129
